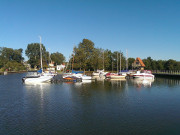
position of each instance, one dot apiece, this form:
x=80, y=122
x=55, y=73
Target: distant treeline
x=84, y=57
x=12, y=59
x=161, y=64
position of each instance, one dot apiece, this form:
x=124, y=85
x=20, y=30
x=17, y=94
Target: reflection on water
x=139, y=82
x=97, y=106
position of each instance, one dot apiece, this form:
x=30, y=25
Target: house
x=60, y=67
x=51, y=67
x=138, y=64
x=27, y=65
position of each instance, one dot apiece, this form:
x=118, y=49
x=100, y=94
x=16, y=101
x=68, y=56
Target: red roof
x=141, y=62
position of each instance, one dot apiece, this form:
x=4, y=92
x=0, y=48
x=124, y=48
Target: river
x=100, y=107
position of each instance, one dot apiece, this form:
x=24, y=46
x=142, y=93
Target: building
x=60, y=67
x=27, y=65
x=51, y=67
x=138, y=64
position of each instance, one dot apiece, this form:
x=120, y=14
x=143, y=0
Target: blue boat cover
x=76, y=72
x=39, y=71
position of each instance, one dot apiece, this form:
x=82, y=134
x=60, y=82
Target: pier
x=167, y=73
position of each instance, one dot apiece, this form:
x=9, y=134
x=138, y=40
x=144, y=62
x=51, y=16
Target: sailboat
x=39, y=76
x=118, y=75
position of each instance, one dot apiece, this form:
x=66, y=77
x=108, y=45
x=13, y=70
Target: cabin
x=60, y=67
x=138, y=64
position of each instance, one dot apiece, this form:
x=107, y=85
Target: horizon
x=145, y=28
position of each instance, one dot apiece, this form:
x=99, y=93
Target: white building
x=60, y=67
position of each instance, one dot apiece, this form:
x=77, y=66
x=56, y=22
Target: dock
x=166, y=73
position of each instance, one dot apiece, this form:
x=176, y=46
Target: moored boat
x=117, y=76
x=37, y=78
x=147, y=74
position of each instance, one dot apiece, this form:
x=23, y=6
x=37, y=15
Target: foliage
x=33, y=53
x=57, y=58
x=11, y=59
x=161, y=64
x=83, y=54
x=130, y=61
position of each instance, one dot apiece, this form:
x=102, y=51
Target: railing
x=166, y=72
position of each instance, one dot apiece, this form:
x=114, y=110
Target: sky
x=143, y=27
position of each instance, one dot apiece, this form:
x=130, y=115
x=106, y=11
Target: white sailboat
x=118, y=75
x=38, y=77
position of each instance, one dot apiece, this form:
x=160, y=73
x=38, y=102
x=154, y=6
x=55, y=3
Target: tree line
x=12, y=59
x=85, y=56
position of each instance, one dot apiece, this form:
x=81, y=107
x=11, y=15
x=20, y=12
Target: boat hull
x=40, y=79
x=117, y=77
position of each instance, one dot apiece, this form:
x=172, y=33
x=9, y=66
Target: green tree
x=57, y=58
x=11, y=59
x=83, y=54
x=170, y=64
x=160, y=65
x=130, y=61
x=33, y=53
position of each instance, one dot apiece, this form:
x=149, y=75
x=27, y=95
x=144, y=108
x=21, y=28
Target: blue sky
x=143, y=27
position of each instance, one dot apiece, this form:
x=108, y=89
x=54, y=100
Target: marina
x=90, y=67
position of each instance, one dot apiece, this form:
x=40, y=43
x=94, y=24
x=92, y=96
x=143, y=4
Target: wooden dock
x=166, y=73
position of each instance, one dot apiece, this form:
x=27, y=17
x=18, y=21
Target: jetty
x=166, y=73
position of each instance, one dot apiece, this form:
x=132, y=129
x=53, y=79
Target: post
x=41, y=54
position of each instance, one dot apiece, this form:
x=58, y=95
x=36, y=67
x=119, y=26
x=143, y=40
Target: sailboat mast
x=41, y=54
x=103, y=59
x=120, y=61
x=126, y=59
x=117, y=62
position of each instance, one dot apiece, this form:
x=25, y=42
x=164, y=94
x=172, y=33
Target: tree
x=57, y=58
x=130, y=61
x=83, y=54
x=160, y=65
x=11, y=58
x=33, y=53
x=170, y=64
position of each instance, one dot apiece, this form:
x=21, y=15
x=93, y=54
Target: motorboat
x=84, y=77
x=108, y=75
x=146, y=74
x=99, y=73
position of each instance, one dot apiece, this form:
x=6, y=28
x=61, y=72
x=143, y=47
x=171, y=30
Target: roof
x=141, y=62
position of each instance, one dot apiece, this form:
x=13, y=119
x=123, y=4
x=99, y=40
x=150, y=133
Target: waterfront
x=99, y=107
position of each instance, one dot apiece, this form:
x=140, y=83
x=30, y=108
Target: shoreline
x=11, y=72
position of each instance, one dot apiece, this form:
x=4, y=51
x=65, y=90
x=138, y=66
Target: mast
x=120, y=61
x=117, y=62
x=126, y=59
x=103, y=59
x=73, y=58
x=41, y=54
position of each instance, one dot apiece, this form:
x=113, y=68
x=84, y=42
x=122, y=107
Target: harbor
x=89, y=67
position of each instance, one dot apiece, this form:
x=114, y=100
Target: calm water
x=100, y=107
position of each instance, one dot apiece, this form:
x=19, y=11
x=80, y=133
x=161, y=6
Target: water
x=91, y=108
